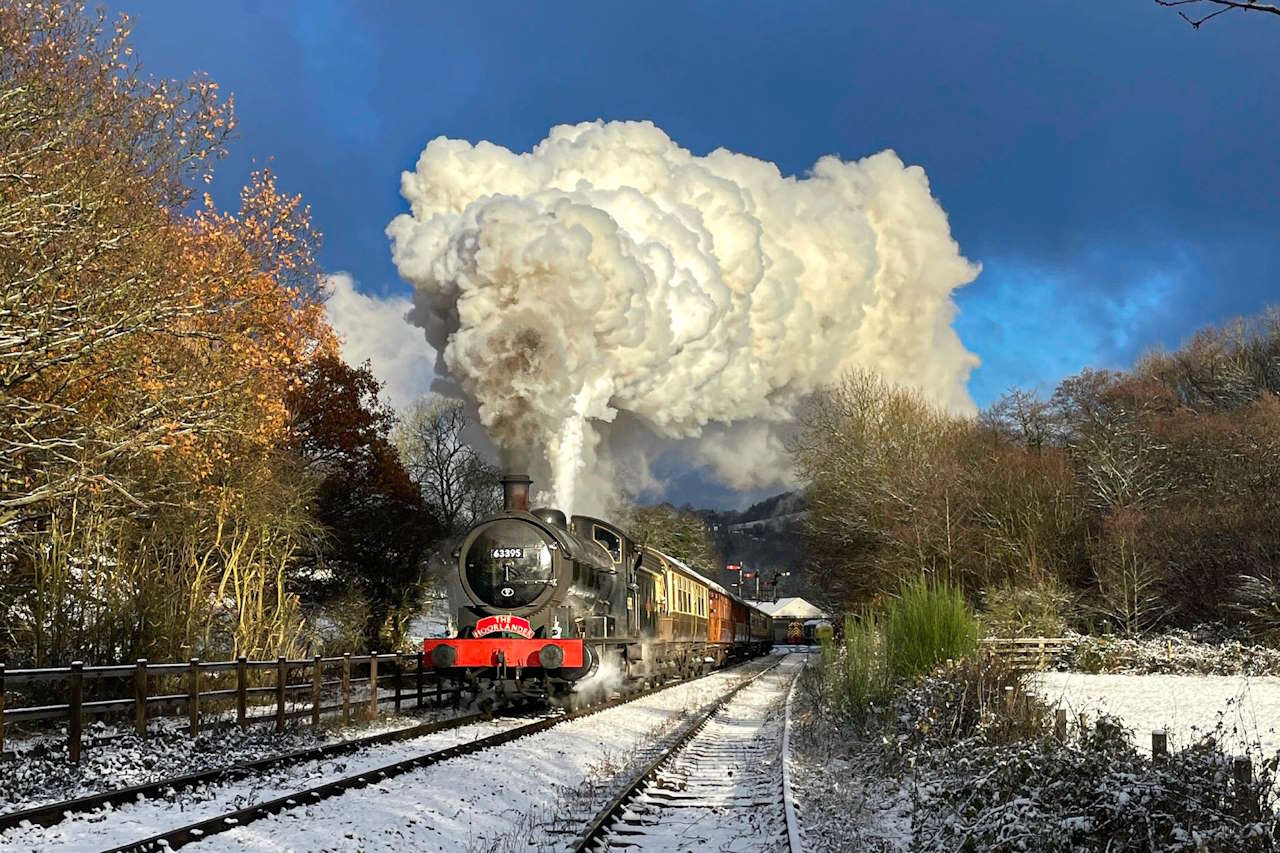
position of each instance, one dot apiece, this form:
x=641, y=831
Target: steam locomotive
x=542, y=603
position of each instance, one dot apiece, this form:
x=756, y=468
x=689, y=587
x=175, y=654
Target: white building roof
x=793, y=607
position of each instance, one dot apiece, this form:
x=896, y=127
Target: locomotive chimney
x=515, y=492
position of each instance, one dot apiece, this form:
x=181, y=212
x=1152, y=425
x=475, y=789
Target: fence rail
x=282, y=681
x=1027, y=652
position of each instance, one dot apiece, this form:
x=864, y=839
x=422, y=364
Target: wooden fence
x=257, y=685
x=1032, y=653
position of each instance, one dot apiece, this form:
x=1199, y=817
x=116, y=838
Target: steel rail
x=795, y=840
x=181, y=836
x=54, y=813
x=600, y=825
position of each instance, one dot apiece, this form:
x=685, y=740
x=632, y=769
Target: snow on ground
x=473, y=802
x=1186, y=706
x=843, y=800
x=123, y=824
x=114, y=757
x=432, y=621
x=111, y=827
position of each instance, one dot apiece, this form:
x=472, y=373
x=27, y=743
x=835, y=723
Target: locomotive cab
x=532, y=590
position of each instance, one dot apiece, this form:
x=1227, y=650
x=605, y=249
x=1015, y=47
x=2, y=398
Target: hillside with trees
x=1131, y=500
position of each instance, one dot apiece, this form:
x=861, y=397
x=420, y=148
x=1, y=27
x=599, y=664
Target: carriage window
x=610, y=540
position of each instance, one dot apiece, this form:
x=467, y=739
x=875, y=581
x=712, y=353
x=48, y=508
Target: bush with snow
x=1203, y=652
x=966, y=759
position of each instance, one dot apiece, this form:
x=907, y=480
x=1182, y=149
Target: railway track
x=721, y=784
x=53, y=813
x=197, y=830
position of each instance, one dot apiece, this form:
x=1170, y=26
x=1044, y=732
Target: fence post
x=1060, y=724
x=315, y=691
x=395, y=667
x=282, y=675
x=1242, y=775
x=242, y=691
x=373, y=684
x=417, y=683
x=346, y=688
x=140, y=697
x=1, y=707
x=1159, y=744
x=76, y=709
x=193, y=697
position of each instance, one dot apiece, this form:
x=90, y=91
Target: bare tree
x=678, y=532
x=456, y=481
x=1219, y=7
x=1023, y=417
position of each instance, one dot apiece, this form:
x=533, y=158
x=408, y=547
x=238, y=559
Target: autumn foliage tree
x=378, y=527
x=154, y=499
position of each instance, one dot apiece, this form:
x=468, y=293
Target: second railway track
x=719, y=785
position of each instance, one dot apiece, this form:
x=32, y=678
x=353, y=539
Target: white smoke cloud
x=375, y=329
x=611, y=271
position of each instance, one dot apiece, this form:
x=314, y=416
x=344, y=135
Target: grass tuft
x=927, y=623
x=854, y=669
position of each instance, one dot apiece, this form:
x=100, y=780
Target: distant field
x=1186, y=706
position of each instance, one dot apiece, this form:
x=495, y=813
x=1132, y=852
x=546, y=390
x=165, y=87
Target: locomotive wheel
x=590, y=665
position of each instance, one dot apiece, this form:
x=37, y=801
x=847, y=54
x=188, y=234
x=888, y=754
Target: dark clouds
x=1112, y=168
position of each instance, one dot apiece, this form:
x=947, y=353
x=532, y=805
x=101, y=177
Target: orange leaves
x=251, y=321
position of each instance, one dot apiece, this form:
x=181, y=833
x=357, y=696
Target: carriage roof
x=698, y=576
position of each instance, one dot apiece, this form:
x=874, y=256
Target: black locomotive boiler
x=541, y=602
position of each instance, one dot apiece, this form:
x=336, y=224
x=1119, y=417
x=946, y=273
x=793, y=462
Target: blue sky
x=1112, y=169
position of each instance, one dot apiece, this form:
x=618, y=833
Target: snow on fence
x=258, y=684
x=1027, y=652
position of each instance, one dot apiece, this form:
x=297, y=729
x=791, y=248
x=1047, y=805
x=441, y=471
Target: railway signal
x=736, y=568
x=776, y=584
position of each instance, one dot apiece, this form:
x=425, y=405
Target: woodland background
x=188, y=467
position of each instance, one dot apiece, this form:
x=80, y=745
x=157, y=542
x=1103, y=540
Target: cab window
x=609, y=540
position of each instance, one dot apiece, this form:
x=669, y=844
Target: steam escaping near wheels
x=609, y=294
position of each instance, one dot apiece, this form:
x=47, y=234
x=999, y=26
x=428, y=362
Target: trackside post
x=140, y=697
x=316, y=669
x=346, y=688
x=76, y=711
x=193, y=697
x=242, y=691
x=282, y=676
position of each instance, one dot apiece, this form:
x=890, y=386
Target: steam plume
x=610, y=271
